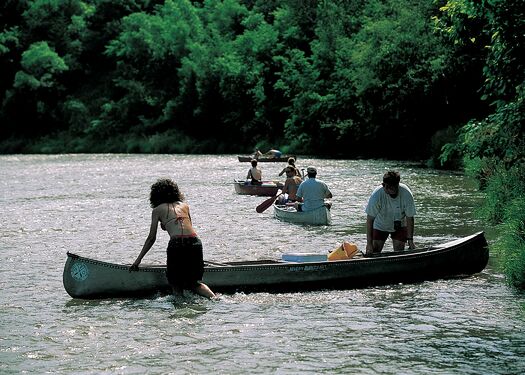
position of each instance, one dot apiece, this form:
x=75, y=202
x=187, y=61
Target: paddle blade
x=267, y=203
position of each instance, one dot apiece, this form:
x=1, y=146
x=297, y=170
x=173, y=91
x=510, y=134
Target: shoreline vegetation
x=441, y=81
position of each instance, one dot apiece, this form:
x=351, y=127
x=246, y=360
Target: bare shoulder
x=160, y=209
x=184, y=206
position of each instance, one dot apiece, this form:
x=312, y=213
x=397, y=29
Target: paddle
x=267, y=203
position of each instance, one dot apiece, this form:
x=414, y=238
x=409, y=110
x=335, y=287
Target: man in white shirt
x=312, y=192
x=390, y=211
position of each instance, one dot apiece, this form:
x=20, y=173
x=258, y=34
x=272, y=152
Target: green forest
x=349, y=78
x=440, y=81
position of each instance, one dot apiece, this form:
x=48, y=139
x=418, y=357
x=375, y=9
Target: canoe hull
x=320, y=216
x=88, y=278
x=267, y=189
x=282, y=159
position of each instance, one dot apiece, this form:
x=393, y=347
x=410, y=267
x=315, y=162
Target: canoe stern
x=87, y=278
x=320, y=216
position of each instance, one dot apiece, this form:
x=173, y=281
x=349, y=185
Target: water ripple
x=97, y=205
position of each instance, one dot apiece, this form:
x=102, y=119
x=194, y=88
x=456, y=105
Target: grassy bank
x=504, y=207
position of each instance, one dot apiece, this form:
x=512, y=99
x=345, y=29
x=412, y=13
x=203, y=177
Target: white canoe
x=320, y=216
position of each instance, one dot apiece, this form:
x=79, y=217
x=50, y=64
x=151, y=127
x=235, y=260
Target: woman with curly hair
x=185, y=265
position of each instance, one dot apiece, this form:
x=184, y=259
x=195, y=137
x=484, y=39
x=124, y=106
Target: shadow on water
x=187, y=306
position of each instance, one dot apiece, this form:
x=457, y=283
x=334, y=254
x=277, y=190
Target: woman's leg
x=177, y=291
x=203, y=290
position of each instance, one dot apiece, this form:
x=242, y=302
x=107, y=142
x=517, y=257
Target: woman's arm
x=286, y=187
x=150, y=240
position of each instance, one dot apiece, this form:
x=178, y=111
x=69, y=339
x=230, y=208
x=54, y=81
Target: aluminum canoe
x=320, y=216
x=266, y=189
x=88, y=278
x=281, y=159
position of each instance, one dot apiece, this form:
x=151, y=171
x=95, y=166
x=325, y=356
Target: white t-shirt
x=313, y=192
x=386, y=209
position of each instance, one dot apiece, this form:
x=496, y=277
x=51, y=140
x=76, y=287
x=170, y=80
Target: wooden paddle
x=267, y=203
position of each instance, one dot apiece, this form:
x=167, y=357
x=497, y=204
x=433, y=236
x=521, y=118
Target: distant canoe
x=281, y=159
x=89, y=278
x=320, y=216
x=266, y=189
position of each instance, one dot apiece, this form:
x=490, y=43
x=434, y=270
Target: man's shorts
x=400, y=234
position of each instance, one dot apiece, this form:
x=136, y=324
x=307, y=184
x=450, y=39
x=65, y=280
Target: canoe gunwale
x=147, y=268
x=240, y=266
x=365, y=259
x=264, y=190
x=281, y=159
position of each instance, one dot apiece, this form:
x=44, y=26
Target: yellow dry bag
x=346, y=251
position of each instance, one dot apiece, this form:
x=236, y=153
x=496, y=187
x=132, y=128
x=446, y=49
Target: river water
x=97, y=206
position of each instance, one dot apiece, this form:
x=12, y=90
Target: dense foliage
x=493, y=147
x=328, y=77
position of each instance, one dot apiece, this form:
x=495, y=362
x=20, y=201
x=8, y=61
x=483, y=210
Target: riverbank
x=504, y=208
x=66, y=143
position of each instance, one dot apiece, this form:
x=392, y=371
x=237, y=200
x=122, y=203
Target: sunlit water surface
x=97, y=206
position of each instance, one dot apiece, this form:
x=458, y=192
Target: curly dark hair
x=391, y=178
x=164, y=191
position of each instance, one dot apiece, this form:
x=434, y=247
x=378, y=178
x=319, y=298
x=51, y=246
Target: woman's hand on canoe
x=134, y=267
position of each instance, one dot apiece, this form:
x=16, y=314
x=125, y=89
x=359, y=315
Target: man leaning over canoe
x=390, y=212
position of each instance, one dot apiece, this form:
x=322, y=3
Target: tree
x=148, y=53
x=37, y=88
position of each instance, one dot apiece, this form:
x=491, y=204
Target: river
x=97, y=206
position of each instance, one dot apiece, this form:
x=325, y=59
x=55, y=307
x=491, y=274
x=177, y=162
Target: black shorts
x=185, y=265
x=400, y=234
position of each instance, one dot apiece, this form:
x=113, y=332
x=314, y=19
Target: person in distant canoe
x=268, y=154
x=185, y=265
x=273, y=154
x=254, y=173
x=390, y=212
x=291, y=163
x=312, y=192
x=291, y=184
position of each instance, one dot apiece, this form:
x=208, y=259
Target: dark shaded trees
x=340, y=78
x=493, y=146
